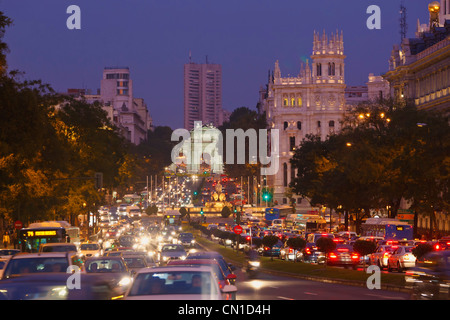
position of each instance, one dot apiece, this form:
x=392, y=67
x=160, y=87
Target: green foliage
x=325, y=244
x=422, y=249
x=296, y=243
x=363, y=247
x=151, y=210
x=226, y=212
x=270, y=241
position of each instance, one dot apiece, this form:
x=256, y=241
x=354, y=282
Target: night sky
x=153, y=38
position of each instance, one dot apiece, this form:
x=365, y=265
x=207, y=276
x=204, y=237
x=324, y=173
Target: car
x=344, y=256
x=171, y=252
x=43, y=262
x=275, y=251
x=147, y=256
x=186, y=239
x=89, y=249
x=54, y=286
x=58, y=247
x=313, y=237
x=114, y=269
x=311, y=254
x=135, y=262
x=430, y=278
x=178, y=283
x=402, y=258
x=227, y=268
x=381, y=255
x=8, y=253
x=3, y=262
x=223, y=280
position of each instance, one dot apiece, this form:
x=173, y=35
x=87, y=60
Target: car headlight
x=165, y=258
x=183, y=257
x=254, y=263
x=192, y=241
x=125, y=281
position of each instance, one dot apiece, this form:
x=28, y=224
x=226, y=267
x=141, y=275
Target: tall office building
x=202, y=94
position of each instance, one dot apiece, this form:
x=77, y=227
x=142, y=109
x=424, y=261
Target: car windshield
x=135, y=262
x=172, y=248
x=104, y=266
x=36, y=265
x=89, y=246
x=172, y=283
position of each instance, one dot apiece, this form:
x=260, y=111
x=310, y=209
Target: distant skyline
x=154, y=37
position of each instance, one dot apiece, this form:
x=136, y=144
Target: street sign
x=238, y=229
x=18, y=224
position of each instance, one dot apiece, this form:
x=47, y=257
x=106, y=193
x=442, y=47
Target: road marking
x=284, y=298
x=311, y=293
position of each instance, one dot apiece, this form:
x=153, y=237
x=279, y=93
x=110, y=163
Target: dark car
x=343, y=255
x=227, y=268
x=113, y=269
x=311, y=254
x=186, y=239
x=430, y=279
x=54, y=286
x=275, y=251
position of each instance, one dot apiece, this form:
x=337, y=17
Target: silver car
x=171, y=252
x=402, y=258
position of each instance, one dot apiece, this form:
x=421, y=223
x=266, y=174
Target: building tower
x=202, y=94
x=311, y=103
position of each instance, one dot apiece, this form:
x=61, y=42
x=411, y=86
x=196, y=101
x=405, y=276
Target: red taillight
x=437, y=247
x=343, y=250
x=355, y=256
x=308, y=251
x=248, y=238
x=290, y=250
x=333, y=256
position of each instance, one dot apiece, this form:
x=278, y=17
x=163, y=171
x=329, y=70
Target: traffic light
x=201, y=211
x=266, y=195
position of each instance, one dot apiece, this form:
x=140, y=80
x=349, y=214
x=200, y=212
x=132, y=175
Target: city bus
x=277, y=212
x=172, y=218
x=39, y=233
x=389, y=229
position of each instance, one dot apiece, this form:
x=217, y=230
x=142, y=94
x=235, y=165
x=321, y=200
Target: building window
x=319, y=70
x=331, y=69
x=318, y=124
x=331, y=124
x=285, y=102
x=285, y=125
x=291, y=143
x=300, y=102
x=299, y=125
x=293, y=102
x=285, y=175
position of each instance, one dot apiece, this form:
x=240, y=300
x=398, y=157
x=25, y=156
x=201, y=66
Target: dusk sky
x=153, y=38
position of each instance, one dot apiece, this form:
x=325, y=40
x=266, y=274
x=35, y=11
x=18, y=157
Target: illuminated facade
x=311, y=103
x=419, y=69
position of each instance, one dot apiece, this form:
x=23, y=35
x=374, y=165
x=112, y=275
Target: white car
x=178, y=283
x=402, y=258
x=91, y=249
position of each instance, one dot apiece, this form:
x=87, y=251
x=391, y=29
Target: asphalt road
x=272, y=287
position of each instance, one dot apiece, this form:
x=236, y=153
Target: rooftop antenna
x=206, y=59
x=190, y=56
x=403, y=24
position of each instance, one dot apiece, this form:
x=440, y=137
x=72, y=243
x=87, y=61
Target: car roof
x=193, y=261
x=201, y=268
x=25, y=255
x=105, y=258
x=57, y=244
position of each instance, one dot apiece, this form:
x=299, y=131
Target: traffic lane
x=273, y=287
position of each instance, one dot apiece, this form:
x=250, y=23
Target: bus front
x=31, y=238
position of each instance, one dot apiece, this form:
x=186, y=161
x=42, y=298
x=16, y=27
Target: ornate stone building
x=311, y=103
